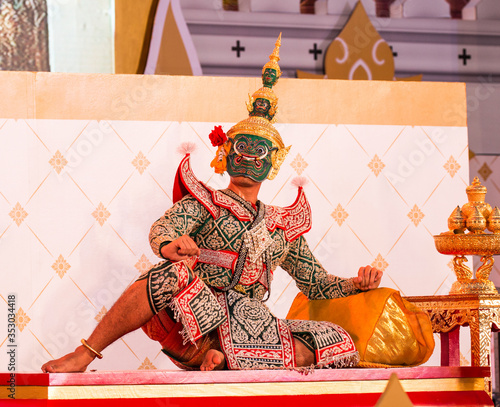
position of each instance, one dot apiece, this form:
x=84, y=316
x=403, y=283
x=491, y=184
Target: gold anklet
x=98, y=354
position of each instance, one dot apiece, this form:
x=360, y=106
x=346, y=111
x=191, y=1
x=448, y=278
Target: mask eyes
x=240, y=147
x=243, y=147
x=260, y=150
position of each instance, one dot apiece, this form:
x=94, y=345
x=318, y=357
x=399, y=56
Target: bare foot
x=76, y=361
x=213, y=360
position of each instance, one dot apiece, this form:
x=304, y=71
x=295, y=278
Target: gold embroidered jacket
x=222, y=224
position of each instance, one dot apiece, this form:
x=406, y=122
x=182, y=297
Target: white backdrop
x=77, y=198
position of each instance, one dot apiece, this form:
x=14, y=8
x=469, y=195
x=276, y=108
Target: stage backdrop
x=87, y=164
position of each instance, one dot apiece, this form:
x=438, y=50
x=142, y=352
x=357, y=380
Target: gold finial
x=476, y=193
x=494, y=221
x=476, y=187
x=456, y=221
x=263, y=102
x=477, y=222
x=273, y=60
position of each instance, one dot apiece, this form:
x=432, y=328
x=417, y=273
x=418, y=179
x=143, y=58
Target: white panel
x=100, y=260
x=426, y=9
x=81, y=35
x=488, y=10
x=276, y=6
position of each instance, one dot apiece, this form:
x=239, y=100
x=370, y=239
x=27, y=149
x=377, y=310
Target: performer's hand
x=180, y=249
x=368, y=278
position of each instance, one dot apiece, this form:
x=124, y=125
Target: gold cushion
x=386, y=329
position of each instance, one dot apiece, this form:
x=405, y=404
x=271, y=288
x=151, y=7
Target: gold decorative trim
x=480, y=312
x=238, y=390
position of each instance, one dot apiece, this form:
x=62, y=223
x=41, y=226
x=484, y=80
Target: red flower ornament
x=217, y=136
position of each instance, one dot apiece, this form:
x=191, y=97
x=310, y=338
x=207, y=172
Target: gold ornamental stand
x=461, y=245
x=472, y=302
x=450, y=312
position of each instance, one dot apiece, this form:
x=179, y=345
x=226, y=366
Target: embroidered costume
x=216, y=300
x=225, y=286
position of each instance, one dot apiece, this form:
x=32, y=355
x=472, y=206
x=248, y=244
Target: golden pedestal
x=461, y=245
x=472, y=302
x=449, y=312
x=467, y=236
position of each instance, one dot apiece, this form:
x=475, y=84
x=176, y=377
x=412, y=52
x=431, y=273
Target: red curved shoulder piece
x=187, y=183
x=295, y=219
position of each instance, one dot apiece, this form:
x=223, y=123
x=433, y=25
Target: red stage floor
x=425, y=386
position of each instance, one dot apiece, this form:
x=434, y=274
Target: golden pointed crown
x=266, y=91
x=260, y=123
x=274, y=58
x=263, y=111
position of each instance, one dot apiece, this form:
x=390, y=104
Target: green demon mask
x=250, y=156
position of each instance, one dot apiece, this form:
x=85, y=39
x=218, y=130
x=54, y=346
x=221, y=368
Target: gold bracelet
x=98, y=354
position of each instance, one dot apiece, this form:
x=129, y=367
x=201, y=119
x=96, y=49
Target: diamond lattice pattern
x=77, y=199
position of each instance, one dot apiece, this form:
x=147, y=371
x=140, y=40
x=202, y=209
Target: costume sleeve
x=310, y=276
x=185, y=217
